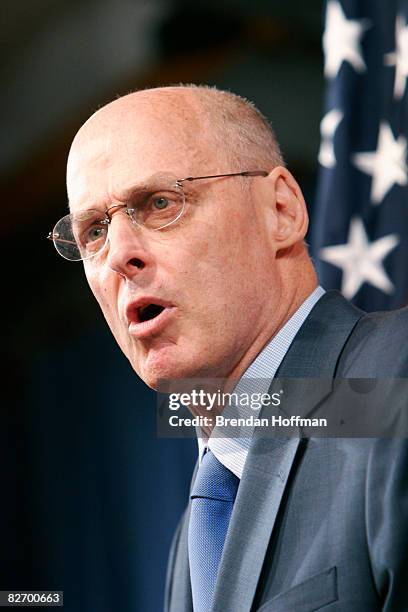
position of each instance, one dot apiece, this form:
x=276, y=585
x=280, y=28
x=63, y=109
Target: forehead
x=115, y=150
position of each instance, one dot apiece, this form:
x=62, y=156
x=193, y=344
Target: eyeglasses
x=83, y=234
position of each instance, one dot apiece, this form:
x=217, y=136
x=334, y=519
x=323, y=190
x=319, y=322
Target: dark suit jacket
x=318, y=523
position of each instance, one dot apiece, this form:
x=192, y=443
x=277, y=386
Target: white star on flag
x=387, y=164
x=399, y=58
x=342, y=40
x=360, y=260
x=328, y=127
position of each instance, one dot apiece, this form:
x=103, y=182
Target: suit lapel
x=180, y=597
x=314, y=353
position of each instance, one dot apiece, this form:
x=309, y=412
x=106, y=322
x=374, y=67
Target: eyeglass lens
x=81, y=235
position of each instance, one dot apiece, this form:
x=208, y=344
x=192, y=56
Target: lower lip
x=153, y=326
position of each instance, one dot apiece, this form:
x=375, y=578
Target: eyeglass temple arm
x=54, y=239
x=246, y=173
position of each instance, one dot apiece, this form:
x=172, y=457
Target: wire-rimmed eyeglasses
x=83, y=234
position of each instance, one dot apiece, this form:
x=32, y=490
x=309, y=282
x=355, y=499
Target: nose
x=127, y=253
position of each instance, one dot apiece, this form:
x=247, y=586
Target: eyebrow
x=152, y=182
x=128, y=192
x=144, y=185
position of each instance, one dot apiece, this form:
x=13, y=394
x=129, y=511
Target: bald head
x=227, y=129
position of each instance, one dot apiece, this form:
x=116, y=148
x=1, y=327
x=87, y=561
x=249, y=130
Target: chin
x=162, y=367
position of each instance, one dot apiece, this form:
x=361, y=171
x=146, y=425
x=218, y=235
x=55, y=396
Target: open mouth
x=147, y=316
x=149, y=312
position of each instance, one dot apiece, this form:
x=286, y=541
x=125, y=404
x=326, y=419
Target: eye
x=157, y=209
x=95, y=233
x=161, y=203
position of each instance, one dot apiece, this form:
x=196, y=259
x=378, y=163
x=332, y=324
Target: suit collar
x=316, y=348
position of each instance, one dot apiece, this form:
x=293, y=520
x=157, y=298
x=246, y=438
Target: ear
x=290, y=214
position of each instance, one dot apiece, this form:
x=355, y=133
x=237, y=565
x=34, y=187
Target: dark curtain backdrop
x=99, y=495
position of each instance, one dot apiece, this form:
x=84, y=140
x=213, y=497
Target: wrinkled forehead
x=114, y=149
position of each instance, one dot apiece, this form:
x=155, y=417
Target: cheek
x=98, y=287
x=213, y=275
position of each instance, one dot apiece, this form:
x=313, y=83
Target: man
x=192, y=235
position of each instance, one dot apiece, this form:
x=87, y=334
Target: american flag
x=360, y=224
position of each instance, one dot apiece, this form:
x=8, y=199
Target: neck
x=289, y=306
x=288, y=302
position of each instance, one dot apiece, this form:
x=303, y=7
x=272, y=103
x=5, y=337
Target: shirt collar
x=232, y=451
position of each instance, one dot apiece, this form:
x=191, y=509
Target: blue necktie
x=212, y=500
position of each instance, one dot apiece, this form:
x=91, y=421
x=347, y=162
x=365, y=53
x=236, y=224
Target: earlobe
x=290, y=209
